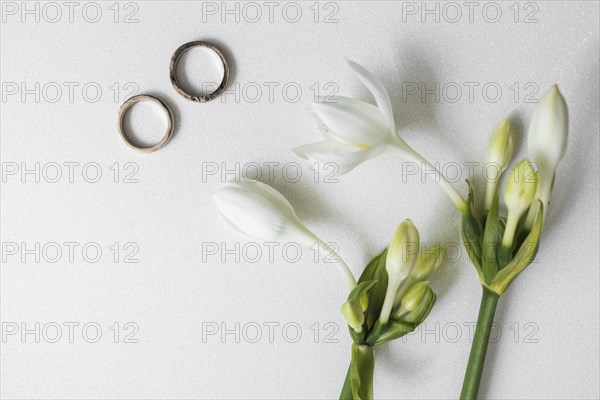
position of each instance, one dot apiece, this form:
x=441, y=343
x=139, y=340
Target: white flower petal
x=320, y=124
x=547, y=143
x=403, y=251
x=354, y=122
x=548, y=130
x=256, y=210
x=344, y=156
x=266, y=191
x=377, y=89
x=231, y=226
x=251, y=213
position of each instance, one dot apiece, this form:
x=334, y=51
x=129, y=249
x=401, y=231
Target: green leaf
x=471, y=235
x=472, y=231
x=375, y=271
x=358, y=338
x=522, y=232
x=522, y=259
x=370, y=269
x=360, y=289
x=393, y=330
x=470, y=197
x=361, y=372
x=491, y=237
x=504, y=253
x=504, y=256
x=502, y=222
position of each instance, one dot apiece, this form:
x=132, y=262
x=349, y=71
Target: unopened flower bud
x=547, y=143
x=519, y=194
x=429, y=261
x=415, y=302
x=401, y=257
x=548, y=129
x=354, y=315
x=364, y=301
x=499, y=154
x=403, y=251
x=256, y=210
x=520, y=191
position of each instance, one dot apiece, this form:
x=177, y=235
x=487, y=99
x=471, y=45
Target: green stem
x=489, y=302
x=347, y=388
x=359, y=379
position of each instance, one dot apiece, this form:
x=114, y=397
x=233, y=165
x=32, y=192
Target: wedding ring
x=173, y=71
x=121, y=118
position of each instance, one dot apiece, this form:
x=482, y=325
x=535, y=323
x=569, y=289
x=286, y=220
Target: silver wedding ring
x=121, y=119
x=175, y=81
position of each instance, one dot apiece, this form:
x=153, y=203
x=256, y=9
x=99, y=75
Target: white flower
x=258, y=211
x=401, y=258
x=355, y=131
x=547, y=142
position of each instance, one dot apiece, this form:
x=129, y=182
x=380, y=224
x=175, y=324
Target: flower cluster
x=355, y=131
x=392, y=296
x=502, y=247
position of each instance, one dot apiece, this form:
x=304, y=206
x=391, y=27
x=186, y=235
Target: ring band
x=173, y=71
x=121, y=118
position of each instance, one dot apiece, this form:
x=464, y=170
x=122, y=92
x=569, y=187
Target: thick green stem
x=359, y=379
x=489, y=301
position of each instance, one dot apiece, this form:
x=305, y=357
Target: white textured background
x=548, y=320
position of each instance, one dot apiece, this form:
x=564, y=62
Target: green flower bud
x=416, y=303
x=520, y=192
x=354, y=315
x=429, y=261
x=413, y=298
x=421, y=312
x=499, y=154
x=364, y=301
